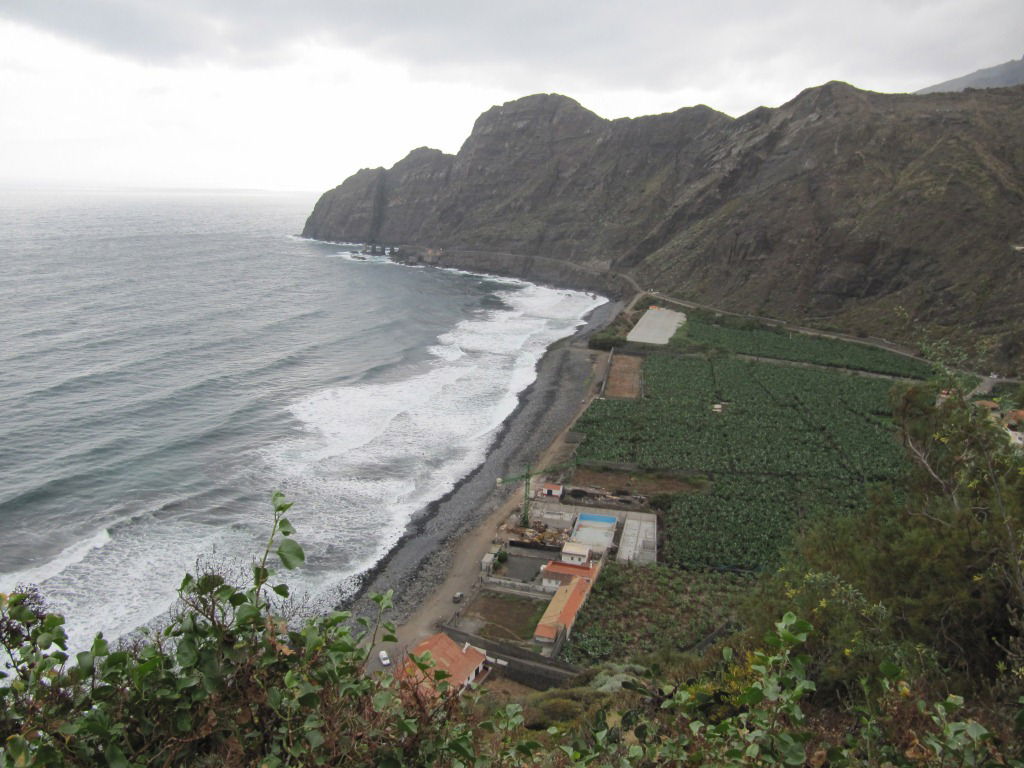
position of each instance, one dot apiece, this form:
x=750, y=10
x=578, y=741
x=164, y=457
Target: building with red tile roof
x=562, y=610
x=463, y=663
x=556, y=573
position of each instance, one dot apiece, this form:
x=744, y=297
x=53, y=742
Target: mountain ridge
x=1000, y=76
x=839, y=207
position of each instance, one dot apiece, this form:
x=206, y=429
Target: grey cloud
x=658, y=45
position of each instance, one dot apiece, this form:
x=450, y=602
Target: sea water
x=169, y=359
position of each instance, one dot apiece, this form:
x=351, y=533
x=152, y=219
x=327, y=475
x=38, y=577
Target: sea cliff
x=842, y=208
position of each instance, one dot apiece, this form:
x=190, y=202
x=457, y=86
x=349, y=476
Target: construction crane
x=524, y=516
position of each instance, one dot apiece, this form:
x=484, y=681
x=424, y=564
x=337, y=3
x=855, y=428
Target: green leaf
x=183, y=722
x=115, y=757
x=246, y=613
x=209, y=582
x=280, y=505
x=382, y=700
x=285, y=527
x=976, y=730
x=281, y=589
x=315, y=738
x=527, y=748
x=19, y=749
x=889, y=670
x=291, y=554
x=186, y=652
x=752, y=697
x=225, y=593
x=274, y=697
x=462, y=748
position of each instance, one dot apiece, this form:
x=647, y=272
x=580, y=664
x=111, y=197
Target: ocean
x=170, y=359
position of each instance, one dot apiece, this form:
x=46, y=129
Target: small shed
x=551, y=490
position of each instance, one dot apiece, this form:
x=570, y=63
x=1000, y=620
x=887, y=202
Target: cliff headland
x=841, y=208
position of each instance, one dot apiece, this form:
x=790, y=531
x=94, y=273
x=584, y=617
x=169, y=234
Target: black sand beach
x=420, y=561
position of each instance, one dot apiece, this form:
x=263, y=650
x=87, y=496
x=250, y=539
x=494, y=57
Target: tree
x=940, y=557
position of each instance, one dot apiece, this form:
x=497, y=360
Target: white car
x=385, y=660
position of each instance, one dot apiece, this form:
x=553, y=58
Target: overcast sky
x=300, y=94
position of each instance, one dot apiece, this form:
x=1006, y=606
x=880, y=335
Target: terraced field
x=782, y=345
x=782, y=444
x=635, y=611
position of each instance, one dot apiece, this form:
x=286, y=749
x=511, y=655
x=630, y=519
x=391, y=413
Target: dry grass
x=624, y=377
x=506, y=617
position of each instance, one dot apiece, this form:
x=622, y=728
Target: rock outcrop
x=836, y=208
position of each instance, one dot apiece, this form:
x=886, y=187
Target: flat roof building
x=597, y=531
x=553, y=514
x=574, y=552
x=639, y=540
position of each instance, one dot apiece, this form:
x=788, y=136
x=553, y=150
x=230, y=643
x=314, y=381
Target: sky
x=298, y=95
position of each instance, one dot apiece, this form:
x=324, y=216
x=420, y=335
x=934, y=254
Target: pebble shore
x=421, y=560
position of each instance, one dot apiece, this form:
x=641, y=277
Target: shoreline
x=419, y=564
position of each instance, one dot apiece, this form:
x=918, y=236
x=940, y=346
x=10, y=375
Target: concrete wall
x=522, y=665
x=518, y=586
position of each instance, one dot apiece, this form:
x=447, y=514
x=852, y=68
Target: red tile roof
x=560, y=567
x=459, y=661
x=562, y=610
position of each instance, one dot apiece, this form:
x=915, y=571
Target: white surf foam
x=127, y=575
x=67, y=558
x=372, y=454
x=365, y=459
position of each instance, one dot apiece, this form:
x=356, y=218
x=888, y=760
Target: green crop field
x=799, y=347
x=790, y=445
x=634, y=611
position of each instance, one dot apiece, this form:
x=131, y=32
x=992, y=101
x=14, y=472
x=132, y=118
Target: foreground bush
x=229, y=683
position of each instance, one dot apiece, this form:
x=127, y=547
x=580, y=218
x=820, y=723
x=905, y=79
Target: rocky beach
x=428, y=552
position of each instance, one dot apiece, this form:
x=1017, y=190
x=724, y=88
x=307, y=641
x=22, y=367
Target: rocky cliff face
x=836, y=208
